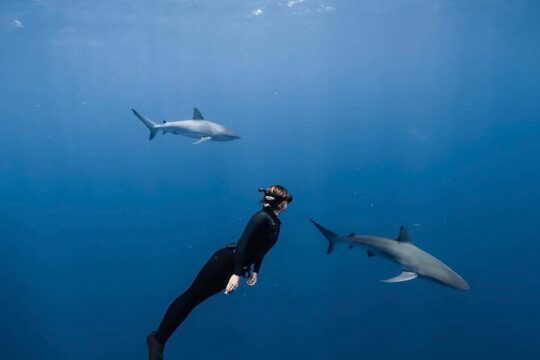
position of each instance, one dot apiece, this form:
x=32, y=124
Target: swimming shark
x=198, y=128
x=415, y=261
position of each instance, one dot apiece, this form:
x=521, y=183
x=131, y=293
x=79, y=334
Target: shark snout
x=461, y=284
x=230, y=136
x=225, y=137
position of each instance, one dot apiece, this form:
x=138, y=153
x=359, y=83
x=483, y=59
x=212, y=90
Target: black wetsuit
x=260, y=234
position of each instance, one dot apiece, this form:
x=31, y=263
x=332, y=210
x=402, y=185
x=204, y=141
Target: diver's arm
x=256, y=225
x=257, y=264
x=260, y=256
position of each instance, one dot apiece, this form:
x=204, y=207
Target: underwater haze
x=374, y=114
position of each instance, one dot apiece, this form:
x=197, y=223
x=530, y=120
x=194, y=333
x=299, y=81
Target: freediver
x=225, y=267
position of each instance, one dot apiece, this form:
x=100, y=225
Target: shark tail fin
x=331, y=236
x=152, y=126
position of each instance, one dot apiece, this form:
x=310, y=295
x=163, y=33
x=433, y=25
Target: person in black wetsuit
x=225, y=267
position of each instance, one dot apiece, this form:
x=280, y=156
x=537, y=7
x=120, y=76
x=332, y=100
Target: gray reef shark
x=415, y=261
x=198, y=128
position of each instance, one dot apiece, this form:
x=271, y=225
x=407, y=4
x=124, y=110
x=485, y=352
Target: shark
x=414, y=261
x=198, y=128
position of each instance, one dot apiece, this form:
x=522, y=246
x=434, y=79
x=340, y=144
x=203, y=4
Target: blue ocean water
x=373, y=113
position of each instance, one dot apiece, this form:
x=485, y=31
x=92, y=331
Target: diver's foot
x=155, y=349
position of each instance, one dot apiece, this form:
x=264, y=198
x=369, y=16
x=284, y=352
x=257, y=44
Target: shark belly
x=430, y=267
x=187, y=133
x=190, y=130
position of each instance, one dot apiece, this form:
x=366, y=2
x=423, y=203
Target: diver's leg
x=212, y=279
x=155, y=349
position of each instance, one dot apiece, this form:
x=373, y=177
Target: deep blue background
x=373, y=113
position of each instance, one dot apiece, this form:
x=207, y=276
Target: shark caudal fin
x=152, y=126
x=329, y=235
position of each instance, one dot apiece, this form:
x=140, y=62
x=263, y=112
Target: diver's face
x=284, y=205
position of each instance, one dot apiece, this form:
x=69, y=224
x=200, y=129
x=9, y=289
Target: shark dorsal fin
x=403, y=235
x=197, y=114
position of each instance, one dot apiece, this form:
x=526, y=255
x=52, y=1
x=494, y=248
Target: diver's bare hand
x=233, y=284
x=252, y=279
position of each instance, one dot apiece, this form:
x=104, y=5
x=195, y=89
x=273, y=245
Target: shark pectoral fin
x=203, y=139
x=404, y=276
